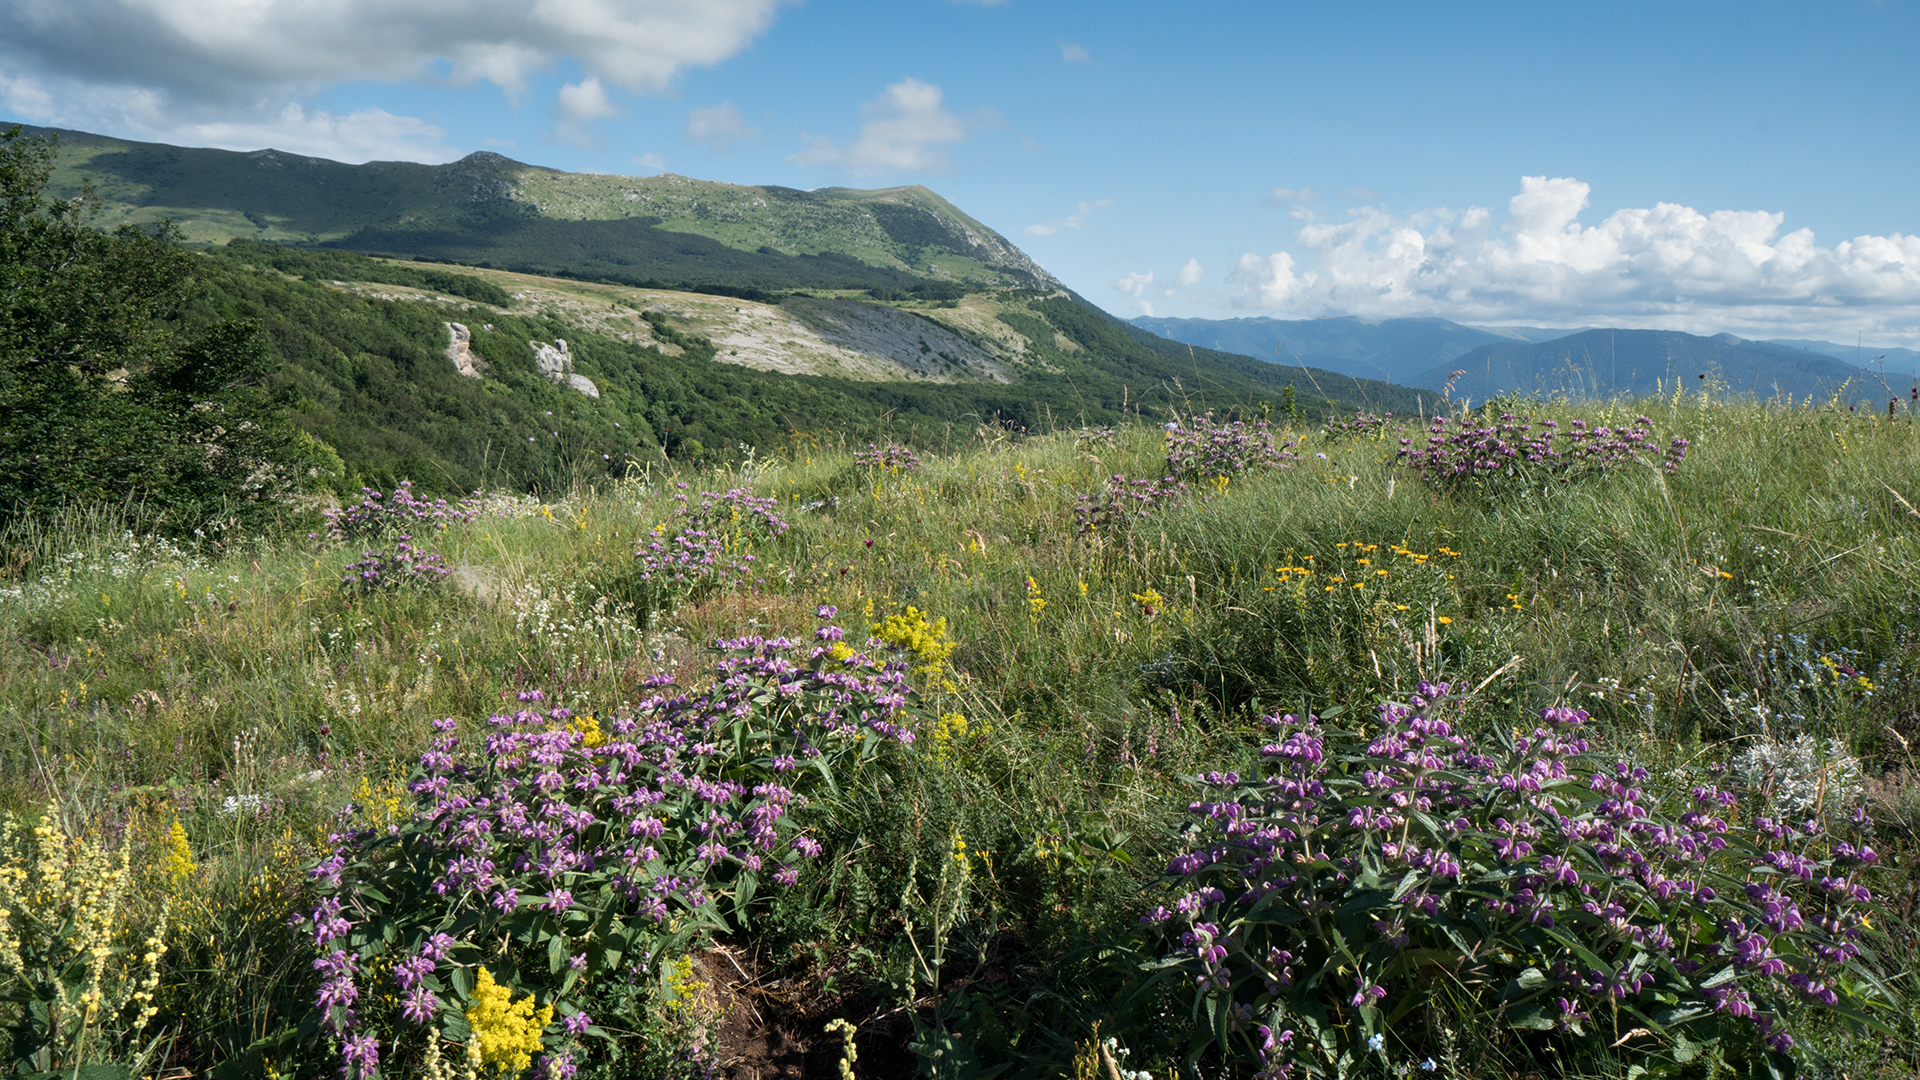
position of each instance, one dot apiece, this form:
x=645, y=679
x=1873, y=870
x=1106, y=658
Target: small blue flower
x=1429, y=1065
x=1376, y=1040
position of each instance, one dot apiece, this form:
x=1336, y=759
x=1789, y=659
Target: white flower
x=1376, y=1040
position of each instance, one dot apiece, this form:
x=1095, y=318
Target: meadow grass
x=1767, y=589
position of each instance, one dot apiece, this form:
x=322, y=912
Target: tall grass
x=249, y=697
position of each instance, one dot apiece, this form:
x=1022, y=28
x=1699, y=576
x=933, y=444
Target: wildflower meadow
x=1542, y=739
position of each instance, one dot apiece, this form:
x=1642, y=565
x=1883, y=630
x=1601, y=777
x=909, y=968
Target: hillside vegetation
x=1075, y=653
x=367, y=372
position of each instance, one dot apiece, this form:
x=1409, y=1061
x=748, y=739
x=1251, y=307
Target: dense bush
x=551, y=856
x=1341, y=904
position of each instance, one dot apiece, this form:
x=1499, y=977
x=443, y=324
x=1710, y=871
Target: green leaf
x=1530, y=981
x=1532, y=1016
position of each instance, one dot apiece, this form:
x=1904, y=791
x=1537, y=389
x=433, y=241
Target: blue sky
x=1747, y=167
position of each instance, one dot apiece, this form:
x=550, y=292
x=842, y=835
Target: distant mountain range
x=1493, y=360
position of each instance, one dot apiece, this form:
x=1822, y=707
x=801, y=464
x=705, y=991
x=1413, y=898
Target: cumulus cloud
x=909, y=133
x=1136, y=286
x=1075, y=54
x=1076, y=220
x=359, y=136
x=1191, y=273
x=1669, y=266
x=716, y=128
x=156, y=68
x=579, y=106
x=241, y=48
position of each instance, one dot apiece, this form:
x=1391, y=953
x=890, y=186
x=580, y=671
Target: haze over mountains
x=1425, y=352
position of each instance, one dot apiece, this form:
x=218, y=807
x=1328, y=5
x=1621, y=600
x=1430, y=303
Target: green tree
x=104, y=397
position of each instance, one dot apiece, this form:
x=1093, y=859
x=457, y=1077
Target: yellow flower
x=506, y=1032
x=1444, y=620
x=177, y=864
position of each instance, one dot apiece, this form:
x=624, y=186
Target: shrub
x=1201, y=448
x=1113, y=508
x=1331, y=903
x=405, y=567
x=1457, y=451
x=554, y=856
x=893, y=458
x=377, y=515
x=710, y=545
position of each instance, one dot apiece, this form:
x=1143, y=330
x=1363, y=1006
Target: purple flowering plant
x=708, y=545
x=1200, y=447
x=891, y=458
x=379, y=514
x=562, y=856
x=1345, y=893
x=1121, y=501
x=1461, y=451
x=405, y=567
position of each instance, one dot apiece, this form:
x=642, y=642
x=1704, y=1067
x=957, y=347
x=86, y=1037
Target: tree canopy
x=104, y=395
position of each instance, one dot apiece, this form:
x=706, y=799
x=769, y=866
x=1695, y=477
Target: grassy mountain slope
x=1604, y=363
x=488, y=208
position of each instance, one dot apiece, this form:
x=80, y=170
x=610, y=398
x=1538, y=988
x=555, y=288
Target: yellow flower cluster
x=681, y=985
x=176, y=864
x=505, y=1032
x=926, y=642
x=1036, y=603
x=950, y=728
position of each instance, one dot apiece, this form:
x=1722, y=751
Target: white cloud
x=1670, y=266
x=360, y=136
x=1360, y=194
x=908, y=133
x=1284, y=195
x=242, y=48
x=1191, y=273
x=1075, y=54
x=717, y=127
x=158, y=68
x=1267, y=282
x=656, y=162
x=1136, y=285
x=579, y=106
x=1075, y=220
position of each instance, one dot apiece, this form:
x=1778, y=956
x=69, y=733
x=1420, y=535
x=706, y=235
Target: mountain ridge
x=489, y=208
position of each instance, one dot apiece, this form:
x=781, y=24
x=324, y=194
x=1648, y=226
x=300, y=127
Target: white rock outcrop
x=460, y=351
x=556, y=363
